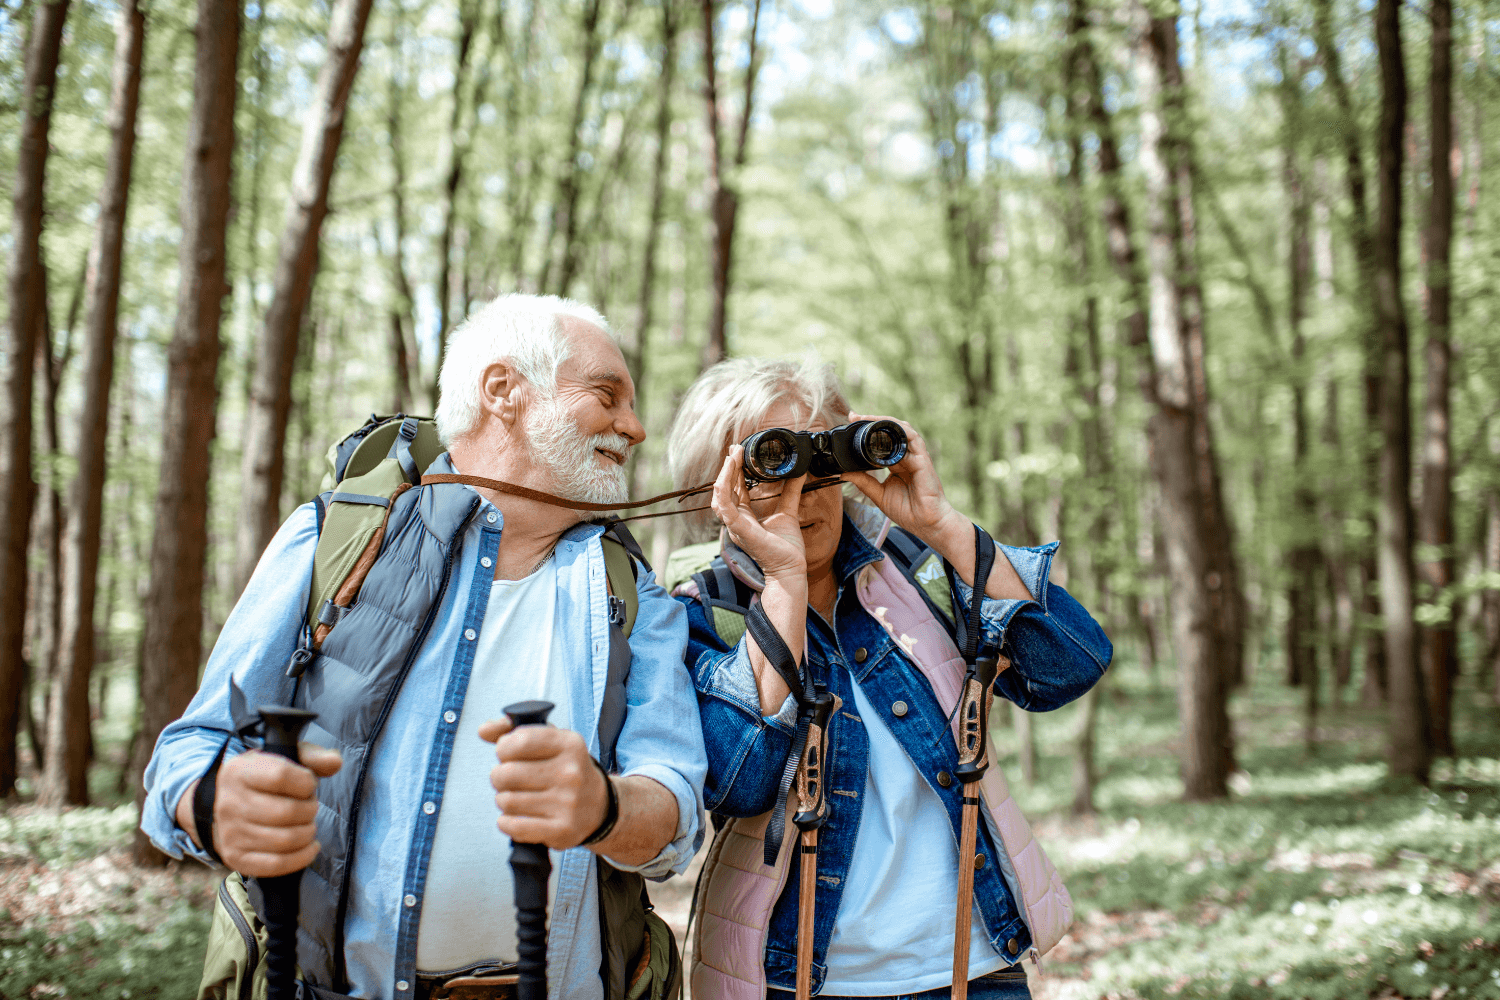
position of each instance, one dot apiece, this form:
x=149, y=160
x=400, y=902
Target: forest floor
x=1318, y=878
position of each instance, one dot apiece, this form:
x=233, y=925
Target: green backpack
x=368, y=469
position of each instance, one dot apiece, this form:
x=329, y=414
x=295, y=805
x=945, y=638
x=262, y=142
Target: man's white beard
x=578, y=471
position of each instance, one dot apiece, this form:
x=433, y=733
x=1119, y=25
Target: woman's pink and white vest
x=737, y=891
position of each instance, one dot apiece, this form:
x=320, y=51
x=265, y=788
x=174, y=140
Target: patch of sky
x=999, y=26
x=901, y=25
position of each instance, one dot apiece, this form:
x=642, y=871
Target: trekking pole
x=811, y=814
x=283, y=893
x=973, y=759
x=530, y=866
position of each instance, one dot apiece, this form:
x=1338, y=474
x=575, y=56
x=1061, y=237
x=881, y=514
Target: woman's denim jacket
x=1057, y=652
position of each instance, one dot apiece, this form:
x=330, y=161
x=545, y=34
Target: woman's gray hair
x=521, y=329
x=730, y=399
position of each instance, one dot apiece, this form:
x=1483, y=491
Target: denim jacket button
x=978, y=861
x=861, y=654
x=944, y=778
x=1011, y=946
x=898, y=709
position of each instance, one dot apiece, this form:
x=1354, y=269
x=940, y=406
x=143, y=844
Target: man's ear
x=501, y=393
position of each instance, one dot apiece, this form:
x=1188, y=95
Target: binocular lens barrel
x=775, y=454
x=778, y=453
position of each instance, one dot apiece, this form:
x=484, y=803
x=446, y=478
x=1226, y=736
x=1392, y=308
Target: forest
x=1202, y=290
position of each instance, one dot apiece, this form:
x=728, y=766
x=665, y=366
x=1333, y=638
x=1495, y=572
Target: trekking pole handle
x=283, y=894
x=531, y=867
x=811, y=794
x=974, y=720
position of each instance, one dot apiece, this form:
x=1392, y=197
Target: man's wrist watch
x=611, y=810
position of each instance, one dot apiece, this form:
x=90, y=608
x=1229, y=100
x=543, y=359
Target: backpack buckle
x=616, y=611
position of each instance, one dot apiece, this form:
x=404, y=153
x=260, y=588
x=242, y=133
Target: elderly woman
x=864, y=593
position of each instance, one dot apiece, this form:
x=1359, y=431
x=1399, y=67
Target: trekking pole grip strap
x=770, y=642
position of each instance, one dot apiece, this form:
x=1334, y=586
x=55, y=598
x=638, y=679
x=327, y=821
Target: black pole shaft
x=283, y=893
x=531, y=867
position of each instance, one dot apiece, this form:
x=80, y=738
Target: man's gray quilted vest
x=352, y=684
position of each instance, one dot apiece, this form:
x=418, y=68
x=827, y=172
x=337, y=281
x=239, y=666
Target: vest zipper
x=339, y=968
x=252, y=946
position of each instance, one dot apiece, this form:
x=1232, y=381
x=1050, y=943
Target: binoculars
x=778, y=453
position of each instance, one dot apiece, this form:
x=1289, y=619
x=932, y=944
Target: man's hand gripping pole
x=531, y=867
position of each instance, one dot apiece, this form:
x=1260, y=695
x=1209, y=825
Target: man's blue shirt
x=661, y=739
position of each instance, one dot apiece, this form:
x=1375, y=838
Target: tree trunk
x=264, y=464
x=172, y=641
x=1439, y=647
x=27, y=301
x=1181, y=448
x=66, y=776
x=1340, y=601
x=726, y=200
x=458, y=145
x=1304, y=555
x=1410, y=740
x=1491, y=599
x=646, y=300
x=404, y=362
x=1361, y=238
x=564, y=224
x=48, y=515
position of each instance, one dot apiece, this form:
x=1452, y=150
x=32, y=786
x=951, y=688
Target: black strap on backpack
x=984, y=562
x=805, y=691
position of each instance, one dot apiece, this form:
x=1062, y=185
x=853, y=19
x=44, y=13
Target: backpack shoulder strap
x=725, y=600
x=619, y=569
x=924, y=568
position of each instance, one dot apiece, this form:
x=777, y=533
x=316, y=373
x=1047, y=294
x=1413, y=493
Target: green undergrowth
x=1318, y=877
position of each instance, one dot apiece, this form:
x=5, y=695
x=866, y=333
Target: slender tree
x=404, y=361
x=458, y=146
x=1304, y=555
x=1362, y=243
x=172, y=643
x=1410, y=738
x=723, y=169
x=1439, y=649
x=271, y=397
x=28, y=292
x=66, y=777
x=1181, y=446
x=646, y=300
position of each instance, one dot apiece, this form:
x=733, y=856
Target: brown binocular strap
x=529, y=494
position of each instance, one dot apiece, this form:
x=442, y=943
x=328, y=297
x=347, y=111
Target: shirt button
x=450, y=716
x=978, y=861
x=490, y=517
x=486, y=562
x=469, y=634
x=1011, y=947
x=429, y=807
x=402, y=985
x=898, y=709
x=410, y=900
x=860, y=655
x=944, y=778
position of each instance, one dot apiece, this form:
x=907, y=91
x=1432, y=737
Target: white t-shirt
x=894, y=929
x=468, y=913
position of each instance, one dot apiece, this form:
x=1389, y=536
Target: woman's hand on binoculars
x=773, y=540
x=912, y=495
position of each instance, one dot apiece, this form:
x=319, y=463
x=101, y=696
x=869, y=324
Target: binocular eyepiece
x=778, y=453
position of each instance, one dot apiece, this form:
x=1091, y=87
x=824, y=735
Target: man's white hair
x=730, y=399
x=520, y=329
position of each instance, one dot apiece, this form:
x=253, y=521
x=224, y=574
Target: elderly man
x=418, y=894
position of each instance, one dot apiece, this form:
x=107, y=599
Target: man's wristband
x=611, y=810
x=203, y=805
